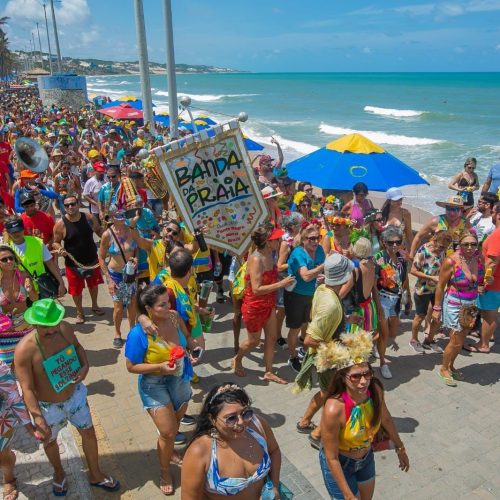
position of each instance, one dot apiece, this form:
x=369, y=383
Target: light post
x=39, y=45
x=48, y=37
x=142, y=48
x=54, y=24
x=172, y=84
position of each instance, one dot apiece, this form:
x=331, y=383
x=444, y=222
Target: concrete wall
x=69, y=91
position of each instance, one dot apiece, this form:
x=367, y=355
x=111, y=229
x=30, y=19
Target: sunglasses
x=468, y=245
x=111, y=176
x=309, y=190
x=71, y=204
x=10, y=258
x=119, y=216
x=246, y=415
x=453, y=209
x=313, y=238
x=173, y=232
x=379, y=219
x=356, y=377
x=394, y=243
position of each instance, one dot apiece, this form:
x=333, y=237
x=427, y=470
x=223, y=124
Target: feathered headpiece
x=352, y=349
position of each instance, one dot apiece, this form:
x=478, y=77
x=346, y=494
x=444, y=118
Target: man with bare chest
x=50, y=366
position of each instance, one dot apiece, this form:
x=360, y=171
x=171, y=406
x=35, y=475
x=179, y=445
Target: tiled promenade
x=451, y=434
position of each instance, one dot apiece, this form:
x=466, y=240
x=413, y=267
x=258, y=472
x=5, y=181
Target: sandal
x=13, y=493
x=473, y=348
x=447, y=380
x=314, y=442
x=98, y=311
x=305, y=429
x=59, y=489
x=176, y=458
x=272, y=377
x=239, y=371
x=166, y=487
x=80, y=319
x=107, y=484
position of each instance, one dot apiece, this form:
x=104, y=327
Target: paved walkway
x=450, y=433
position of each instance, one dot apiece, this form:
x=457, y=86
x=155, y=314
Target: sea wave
x=295, y=148
x=207, y=97
x=393, y=113
x=380, y=137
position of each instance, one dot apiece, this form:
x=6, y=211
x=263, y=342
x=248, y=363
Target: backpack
x=239, y=283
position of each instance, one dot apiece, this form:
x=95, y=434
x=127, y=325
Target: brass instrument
x=31, y=155
x=153, y=178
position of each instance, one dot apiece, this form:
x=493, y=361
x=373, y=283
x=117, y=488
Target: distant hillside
x=101, y=67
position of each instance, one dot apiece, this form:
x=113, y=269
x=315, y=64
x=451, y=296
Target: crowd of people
x=333, y=269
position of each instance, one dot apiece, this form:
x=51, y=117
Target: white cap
x=394, y=194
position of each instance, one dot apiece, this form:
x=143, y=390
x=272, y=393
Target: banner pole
x=172, y=84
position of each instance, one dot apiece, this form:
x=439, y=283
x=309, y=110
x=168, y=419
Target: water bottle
x=130, y=268
x=207, y=323
x=267, y=492
x=217, y=269
x=290, y=287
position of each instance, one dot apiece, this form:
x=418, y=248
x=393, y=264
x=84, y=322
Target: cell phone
x=197, y=352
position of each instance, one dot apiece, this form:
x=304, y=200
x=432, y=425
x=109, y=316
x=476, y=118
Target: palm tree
x=7, y=60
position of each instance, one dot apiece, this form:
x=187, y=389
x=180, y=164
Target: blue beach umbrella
x=137, y=104
x=353, y=158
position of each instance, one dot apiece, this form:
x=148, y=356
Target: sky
x=279, y=35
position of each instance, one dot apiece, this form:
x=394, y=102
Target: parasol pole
x=142, y=48
x=172, y=85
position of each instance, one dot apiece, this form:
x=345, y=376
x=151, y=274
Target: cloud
x=451, y=9
x=367, y=50
x=69, y=12
x=417, y=10
x=497, y=47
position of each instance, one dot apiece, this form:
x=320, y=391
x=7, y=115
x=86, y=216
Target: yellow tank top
x=358, y=432
x=158, y=351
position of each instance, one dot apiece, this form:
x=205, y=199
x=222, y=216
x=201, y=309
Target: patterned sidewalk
x=450, y=433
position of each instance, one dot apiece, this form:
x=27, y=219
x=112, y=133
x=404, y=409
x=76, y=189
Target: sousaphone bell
x=31, y=155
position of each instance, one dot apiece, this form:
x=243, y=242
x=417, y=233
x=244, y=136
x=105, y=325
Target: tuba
x=31, y=155
x=153, y=178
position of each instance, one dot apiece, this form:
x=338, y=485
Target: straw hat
x=269, y=192
x=452, y=201
x=56, y=152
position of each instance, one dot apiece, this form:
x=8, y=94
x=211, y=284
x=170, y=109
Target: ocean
x=431, y=121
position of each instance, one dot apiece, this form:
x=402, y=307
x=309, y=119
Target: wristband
x=437, y=308
x=401, y=449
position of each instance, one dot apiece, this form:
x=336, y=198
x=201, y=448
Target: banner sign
x=213, y=185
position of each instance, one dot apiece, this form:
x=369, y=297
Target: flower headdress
x=329, y=199
x=225, y=388
x=356, y=234
x=352, y=349
x=298, y=197
x=312, y=222
x=341, y=221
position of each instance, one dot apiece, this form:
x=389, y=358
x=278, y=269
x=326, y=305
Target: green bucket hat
x=44, y=312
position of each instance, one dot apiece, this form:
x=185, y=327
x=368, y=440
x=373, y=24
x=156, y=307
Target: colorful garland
x=356, y=234
x=340, y=221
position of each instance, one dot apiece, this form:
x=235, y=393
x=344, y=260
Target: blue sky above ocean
x=293, y=35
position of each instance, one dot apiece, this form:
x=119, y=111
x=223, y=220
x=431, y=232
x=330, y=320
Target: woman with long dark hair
x=354, y=412
x=232, y=452
x=164, y=370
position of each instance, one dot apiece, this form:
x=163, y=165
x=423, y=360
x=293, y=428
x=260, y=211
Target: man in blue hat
x=51, y=366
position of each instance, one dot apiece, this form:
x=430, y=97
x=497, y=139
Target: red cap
x=99, y=166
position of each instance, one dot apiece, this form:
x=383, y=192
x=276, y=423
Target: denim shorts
x=356, y=471
x=391, y=304
x=157, y=391
x=451, y=311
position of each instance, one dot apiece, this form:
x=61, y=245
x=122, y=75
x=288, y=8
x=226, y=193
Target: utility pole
x=172, y=84
x=142, y=48
x=54, y=24
x=39, y=45
x=34, y=47
x=48, y=37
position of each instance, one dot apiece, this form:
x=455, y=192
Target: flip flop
x=176, y=459
x=60, y=486
x=80, y=319
x=98, y=311
x=272, y=377
x=457, y=375
x=108, y=484
x=305, y=429
x=167, y=488
x=238, y=371
x=314, y=442
x=447, y=380
x=473, y=348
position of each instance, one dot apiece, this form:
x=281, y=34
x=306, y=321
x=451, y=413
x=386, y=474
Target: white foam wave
x=207, y=97
x=380, y=137
x=393, y=113
x=284, y=122
x=297, y=147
